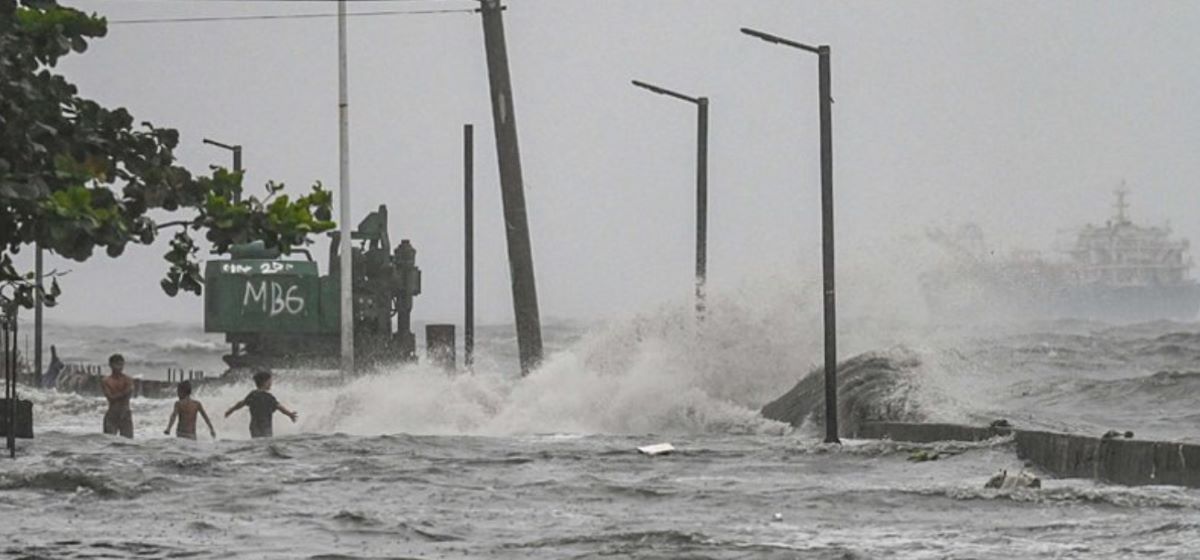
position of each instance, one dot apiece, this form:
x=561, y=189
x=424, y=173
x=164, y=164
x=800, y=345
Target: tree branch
x=173, y=224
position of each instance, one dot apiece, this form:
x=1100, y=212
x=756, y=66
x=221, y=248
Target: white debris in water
x=656, y=449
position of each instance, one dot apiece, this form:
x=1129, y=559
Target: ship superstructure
x=1119, y=271
x=1124, y=254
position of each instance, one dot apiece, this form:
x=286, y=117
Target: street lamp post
x=701, y=186
x=237, y=153
x=235, y=148
x=826, y=105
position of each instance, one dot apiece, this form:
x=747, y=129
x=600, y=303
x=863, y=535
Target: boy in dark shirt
x=118, y=389
x=185, y=410
x=262, y=406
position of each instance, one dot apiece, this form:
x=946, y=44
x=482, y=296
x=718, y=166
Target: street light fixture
x=826, y=105
x=701, y=186
x=237, y=156
x=236, y=149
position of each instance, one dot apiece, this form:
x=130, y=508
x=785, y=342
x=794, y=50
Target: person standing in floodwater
x=262, y=406
x=118, y=389
x=185, y=410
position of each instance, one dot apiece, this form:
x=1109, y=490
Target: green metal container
x=264, y=296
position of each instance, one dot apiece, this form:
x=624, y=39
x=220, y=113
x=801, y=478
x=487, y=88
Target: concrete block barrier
x=1119, y=461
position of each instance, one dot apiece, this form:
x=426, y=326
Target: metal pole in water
x=8, y=429
x=346, y=246
x=701, y=186
x=827, y=263
x=701, y=204
x=237, y=168
x=12, y=399
x=10, y=383
x=37, y=314
x=237, y=159
x=469, y=245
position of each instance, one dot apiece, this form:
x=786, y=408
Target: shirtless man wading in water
x=118, y=388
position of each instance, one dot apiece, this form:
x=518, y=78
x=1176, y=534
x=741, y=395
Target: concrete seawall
x=1120, y=461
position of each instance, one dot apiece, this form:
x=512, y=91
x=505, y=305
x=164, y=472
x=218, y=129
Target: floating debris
x=657, y=449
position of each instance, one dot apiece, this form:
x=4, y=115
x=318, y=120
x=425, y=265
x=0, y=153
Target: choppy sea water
x=415, y=463
x=555, y=496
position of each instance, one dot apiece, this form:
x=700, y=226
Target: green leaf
x=95, y=177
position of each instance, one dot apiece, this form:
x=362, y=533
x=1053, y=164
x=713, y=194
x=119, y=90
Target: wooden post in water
x=512, y=189
x=439, y=345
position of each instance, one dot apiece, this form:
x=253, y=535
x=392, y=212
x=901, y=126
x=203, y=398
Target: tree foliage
x=76, y=177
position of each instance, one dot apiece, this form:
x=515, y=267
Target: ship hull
x=1128, y=303
x=1117, y=304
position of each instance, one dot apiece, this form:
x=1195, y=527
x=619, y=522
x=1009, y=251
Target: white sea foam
x=658, y=372
x=192, y=345
x=655, y=373
x=662, y=372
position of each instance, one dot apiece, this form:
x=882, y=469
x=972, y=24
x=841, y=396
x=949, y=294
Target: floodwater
x=415, y=463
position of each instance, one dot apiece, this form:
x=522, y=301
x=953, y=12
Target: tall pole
x=512, y=189
x=10, y=381
x=37, y=313
x=701, y=186
x=346, y=246
x=701, y=204
x=237, y=168
x=827, y=263
x=469, y=245
x=237, y=159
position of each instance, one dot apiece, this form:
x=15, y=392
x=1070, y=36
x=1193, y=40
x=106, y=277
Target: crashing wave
x=875, y=386
x=195, y=346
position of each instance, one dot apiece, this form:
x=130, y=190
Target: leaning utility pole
x=345, y=248
x=512, y=188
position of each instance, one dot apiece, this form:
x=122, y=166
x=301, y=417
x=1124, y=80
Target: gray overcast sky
x=1021, y=116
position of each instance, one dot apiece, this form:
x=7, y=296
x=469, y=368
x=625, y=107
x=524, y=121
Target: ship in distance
x=1119, y=272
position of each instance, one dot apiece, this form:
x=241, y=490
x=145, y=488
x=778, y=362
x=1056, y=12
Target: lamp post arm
x=667, y=92
x=775, y=39
x=221, y=145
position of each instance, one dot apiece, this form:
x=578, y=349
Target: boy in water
x=118, y=389
x=185, y=409
x=262, y=406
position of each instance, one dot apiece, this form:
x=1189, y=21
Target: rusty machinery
x=279, y=311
